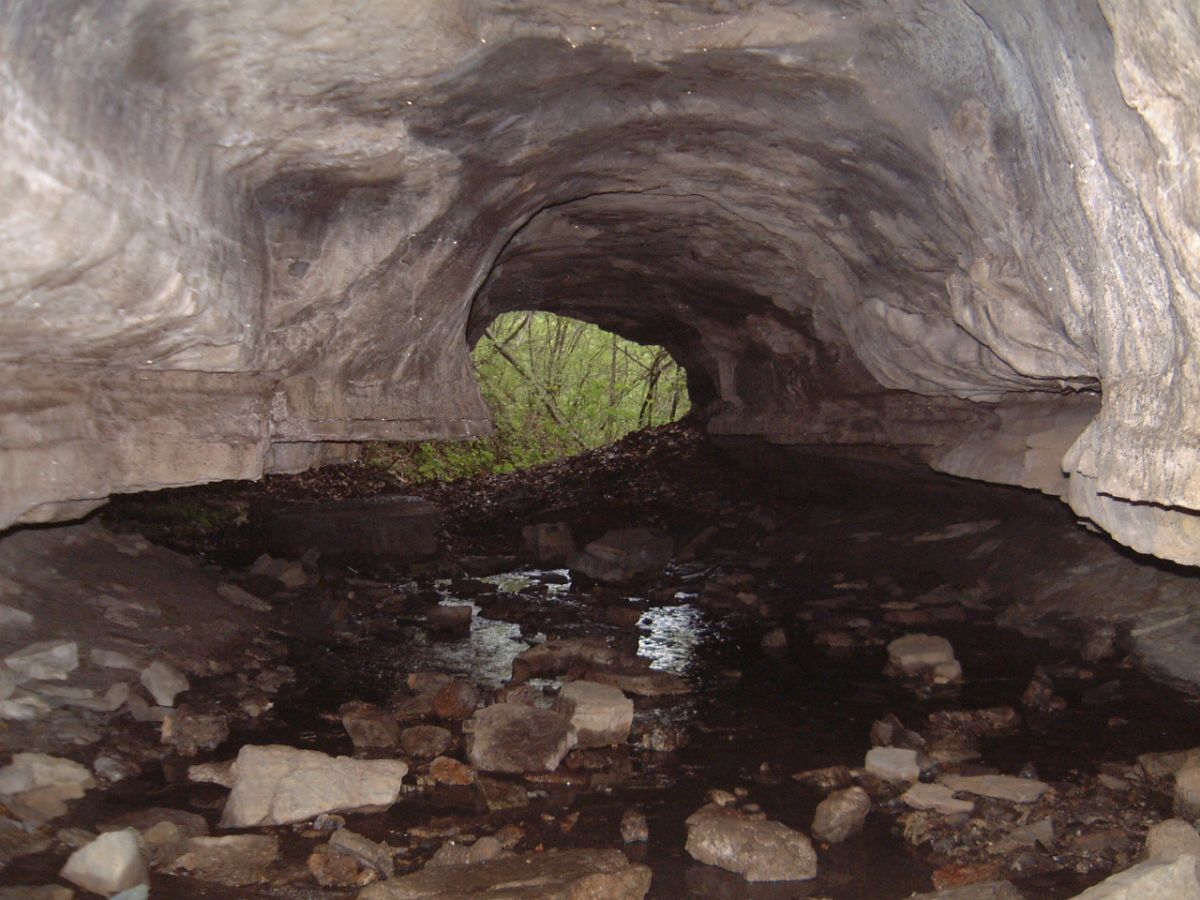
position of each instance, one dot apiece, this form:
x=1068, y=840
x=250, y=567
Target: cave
x=932, y=268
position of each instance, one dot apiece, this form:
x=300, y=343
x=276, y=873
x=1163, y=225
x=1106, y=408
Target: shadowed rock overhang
x=240, y=237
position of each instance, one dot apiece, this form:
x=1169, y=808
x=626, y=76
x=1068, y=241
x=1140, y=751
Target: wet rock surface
x=995, y=796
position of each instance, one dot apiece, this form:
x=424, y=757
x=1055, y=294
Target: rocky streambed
x=728, y=695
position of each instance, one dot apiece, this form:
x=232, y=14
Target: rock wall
x=243, y=236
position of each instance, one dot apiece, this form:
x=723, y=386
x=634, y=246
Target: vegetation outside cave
x=555, y=387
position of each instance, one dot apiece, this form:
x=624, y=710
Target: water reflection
x=485, y=656
x=675, y=632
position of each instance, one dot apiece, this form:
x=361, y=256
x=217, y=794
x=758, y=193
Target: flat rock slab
x=554, y=875
x=395, y=527
x=235, y=860
x=998, y=787
x=512, y=737
x=756, y=849
x=937, y=797
x=643, y=682
x=562, y=656
x=984, y=890
x=276, y=785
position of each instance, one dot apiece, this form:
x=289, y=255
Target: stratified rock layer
x=240, y=238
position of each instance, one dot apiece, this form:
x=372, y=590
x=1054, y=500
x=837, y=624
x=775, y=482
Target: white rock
x=275, y=785
x=8, y=683
x=29, y=771
x=917, y=654
x=111, y=863
x=937, y=797
x=601, y=713
x=45, y=660
x=12, y=618
x=23, y=708
x=893, y=764
x=164, y=682
x=113, y=659
x=1149, y=881
x=1187, y=791
x=1171, y=839
x=999, y=787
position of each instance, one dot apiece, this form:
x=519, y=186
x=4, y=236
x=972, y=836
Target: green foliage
x=555, y=387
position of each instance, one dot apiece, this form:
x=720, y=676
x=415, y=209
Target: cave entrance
x=555, y=386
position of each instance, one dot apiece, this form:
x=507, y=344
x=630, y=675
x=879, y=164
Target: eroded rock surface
x=240, y=239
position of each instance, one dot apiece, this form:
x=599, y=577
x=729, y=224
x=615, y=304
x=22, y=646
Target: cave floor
x=776, y=612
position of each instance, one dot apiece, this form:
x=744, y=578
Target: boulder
x=512, y=737
x=450, y=618
x=923, y=655
x=1171, y=839
x=895, y=764
x=549, y=542
x=1153, y=880
x=275, y=785
x=369, y=726
x=393, y=527
x=552, y=875
x=841, y=815
x=111, y=863
x=600, y=712
x=1187, y=791
x=756, y=849
x=623, y=555
x=456, y=700
x=425, y=741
